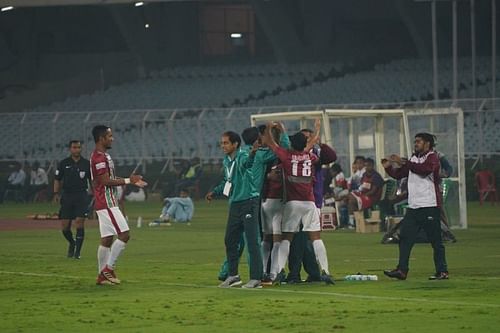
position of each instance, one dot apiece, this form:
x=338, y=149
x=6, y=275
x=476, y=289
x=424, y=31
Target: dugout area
x=377, y=133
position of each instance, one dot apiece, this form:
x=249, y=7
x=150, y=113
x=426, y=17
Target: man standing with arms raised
x=111, y=220
x=424, y=200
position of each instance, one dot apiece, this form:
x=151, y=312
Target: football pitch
x=170, y=282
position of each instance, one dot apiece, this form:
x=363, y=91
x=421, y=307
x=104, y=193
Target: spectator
x=15, y=181
x=358, y=170
x=38, y=181
x=179, y=209
x=369, y=192
x=189, y=174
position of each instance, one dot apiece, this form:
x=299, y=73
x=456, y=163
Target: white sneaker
x=231, y=281
x=252, y=284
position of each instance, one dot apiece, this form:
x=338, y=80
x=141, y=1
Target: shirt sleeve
x=87, y=170
x=100, y=165
x=327, y=155
x=398, y=173
x=284, y=141
x=59, y=174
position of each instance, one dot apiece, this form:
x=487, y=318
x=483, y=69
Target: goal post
x=377, y=133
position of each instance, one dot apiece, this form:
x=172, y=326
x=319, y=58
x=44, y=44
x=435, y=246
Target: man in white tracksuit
x=424, y=200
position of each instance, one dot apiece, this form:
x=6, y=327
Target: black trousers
x=244, y=217
x=302, y=252
x=427, y=219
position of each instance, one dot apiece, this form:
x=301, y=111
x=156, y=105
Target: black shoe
x=280, y=278
x=77, y=256
x=71, y=250
x=327, y=278
x=439, y=276
x=311, y=279
x=294, y=281
x=396, y=274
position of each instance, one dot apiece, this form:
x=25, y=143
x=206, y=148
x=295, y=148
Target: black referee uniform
x=75, y=176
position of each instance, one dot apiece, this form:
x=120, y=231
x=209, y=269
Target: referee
x=70, y=189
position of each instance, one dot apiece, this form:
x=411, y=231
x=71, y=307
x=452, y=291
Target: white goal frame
x=405, y=139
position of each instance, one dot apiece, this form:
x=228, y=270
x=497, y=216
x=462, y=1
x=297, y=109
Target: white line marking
x=284, y=291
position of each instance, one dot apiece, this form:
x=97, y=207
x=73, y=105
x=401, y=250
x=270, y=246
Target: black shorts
x=74, y=205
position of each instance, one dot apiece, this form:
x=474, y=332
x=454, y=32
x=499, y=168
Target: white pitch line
x=284, y=291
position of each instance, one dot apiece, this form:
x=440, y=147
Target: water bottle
x=139, y=222
x=361, y=277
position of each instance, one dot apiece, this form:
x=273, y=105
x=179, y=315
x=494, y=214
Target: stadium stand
x=147, y=119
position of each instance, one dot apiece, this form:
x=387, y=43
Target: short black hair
x=262, y=128
x=336, y=168
x=298, y=141
x=73, y=141
x=99, y=131
x=250, y=135
x=370, y=161
x=427, y=137
x=359, y=157
x=308, y=130
x=233, y=137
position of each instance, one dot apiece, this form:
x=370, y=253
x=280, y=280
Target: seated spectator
x=358, y=169
x=339, y=182
x=38, y=181
x=14, y=182
x=338, y=191
x=178, y=209
x=369, y=192
x=189, y=174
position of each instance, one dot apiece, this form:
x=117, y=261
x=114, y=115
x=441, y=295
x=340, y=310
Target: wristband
x=127, y=181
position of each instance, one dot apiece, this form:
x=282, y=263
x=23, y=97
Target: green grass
x=170, y=277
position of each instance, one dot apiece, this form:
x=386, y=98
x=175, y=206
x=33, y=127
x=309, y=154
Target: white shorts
x=272, y=214
x=111, y=222
x=296, y=212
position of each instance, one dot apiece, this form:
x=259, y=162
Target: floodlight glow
x=139, y=4
x=4, y=9
x=146, y=25
x=236, y=35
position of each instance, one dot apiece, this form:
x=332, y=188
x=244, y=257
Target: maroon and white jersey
x=423, y=179
x=105, y=196
x=298, y=171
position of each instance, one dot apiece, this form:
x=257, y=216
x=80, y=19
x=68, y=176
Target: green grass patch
x=170, y=276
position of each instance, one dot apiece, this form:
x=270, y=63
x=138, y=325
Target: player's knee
x=107, y=241
x=124, y=236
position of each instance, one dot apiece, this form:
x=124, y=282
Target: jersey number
x=306, y=168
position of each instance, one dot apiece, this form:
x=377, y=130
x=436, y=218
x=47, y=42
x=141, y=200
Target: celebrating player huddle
x=286, y=199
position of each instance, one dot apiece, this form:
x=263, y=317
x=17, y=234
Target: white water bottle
x=361, y=277
x=139, y=222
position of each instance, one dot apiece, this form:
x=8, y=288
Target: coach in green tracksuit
x=239, y=186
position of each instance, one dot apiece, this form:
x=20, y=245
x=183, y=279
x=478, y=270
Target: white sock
x=116, y=249
x=266, y=251
x=283, y=253
x=320, y=252
x=275, y=260
x=102, y=257
x=351, y=220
